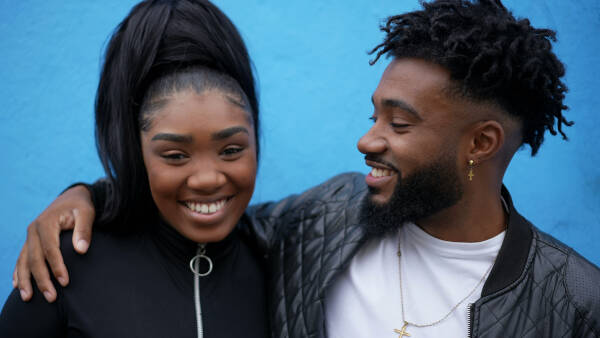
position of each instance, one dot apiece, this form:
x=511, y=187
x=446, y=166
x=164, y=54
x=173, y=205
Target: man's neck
x=475, y=218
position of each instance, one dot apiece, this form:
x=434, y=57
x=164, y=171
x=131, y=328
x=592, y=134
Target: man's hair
x=491, y=56
x=159, y=45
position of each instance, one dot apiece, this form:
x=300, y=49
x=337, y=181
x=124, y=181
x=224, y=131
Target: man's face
x=412, y=146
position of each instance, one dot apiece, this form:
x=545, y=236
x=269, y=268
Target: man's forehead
x=415, y=73
x=413, y=81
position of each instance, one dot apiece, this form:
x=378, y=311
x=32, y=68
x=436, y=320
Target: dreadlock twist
x=490, y=56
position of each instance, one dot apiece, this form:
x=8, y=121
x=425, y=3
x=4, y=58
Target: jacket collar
x=512, y=257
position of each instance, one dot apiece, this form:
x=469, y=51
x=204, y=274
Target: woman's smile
x=200, y=155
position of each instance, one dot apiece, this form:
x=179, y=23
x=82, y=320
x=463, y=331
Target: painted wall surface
x=315, y=85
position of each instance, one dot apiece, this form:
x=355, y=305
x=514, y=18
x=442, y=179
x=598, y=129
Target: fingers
x=43, y=242
x=50, y=244
x=82, y=233
x=23, y=276
x=37, y=263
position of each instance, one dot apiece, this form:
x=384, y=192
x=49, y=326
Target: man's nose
x=372, y=142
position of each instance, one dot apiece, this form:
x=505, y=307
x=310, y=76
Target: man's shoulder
x=580, y=277
x=339, y=190
x=341, y=187
x=337, y=197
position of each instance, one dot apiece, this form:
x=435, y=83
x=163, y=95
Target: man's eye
x=399, y=125
x=373, y=118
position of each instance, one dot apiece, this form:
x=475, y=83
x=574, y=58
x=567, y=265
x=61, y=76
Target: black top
x=141, y=286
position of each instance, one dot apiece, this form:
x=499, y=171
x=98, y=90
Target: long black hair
x=491, y=55
x=157, y=39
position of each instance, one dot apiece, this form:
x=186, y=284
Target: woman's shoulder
x=106, y=248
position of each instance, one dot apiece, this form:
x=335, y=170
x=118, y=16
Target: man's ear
x=486, y=139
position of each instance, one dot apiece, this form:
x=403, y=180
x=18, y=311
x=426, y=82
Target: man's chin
x=377, y=198
x=376, y=217
x=420, y=195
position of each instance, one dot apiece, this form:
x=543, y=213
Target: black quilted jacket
x=538, y=286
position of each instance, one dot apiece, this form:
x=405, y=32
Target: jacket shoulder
x=581, y=280
x=265, y=220
x=340, y=188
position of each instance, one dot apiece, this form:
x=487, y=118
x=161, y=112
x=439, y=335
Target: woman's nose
x=206, y=178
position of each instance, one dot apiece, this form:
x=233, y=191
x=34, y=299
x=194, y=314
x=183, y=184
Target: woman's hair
x=490, y=55
x=160, y=46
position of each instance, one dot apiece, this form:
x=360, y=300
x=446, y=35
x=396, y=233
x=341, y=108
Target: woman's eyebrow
x=228, y=132
x=173, y=138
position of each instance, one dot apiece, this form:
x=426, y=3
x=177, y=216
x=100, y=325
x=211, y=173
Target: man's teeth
x=376, y=172
x=206, y=208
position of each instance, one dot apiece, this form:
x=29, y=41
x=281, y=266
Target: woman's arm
x=73, y=209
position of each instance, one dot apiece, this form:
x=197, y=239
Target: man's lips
x=380, y=174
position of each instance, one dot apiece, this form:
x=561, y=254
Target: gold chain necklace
x=405, y=322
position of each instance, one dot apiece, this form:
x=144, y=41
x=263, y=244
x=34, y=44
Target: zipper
x=195, y=266
x=198, y=306
x=470, y=320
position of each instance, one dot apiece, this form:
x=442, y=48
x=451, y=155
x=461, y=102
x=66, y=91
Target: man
x=432, y=245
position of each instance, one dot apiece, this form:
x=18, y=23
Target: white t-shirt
x=436, y=275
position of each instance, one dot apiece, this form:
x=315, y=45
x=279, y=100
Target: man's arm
x=73, y=209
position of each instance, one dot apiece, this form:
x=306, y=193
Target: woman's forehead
x=209, y=110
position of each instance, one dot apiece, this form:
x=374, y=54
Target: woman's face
x=200, y=155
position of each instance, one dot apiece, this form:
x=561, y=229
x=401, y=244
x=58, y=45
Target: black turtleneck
x=141, y=286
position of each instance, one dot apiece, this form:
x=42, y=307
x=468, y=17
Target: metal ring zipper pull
x=195, y=262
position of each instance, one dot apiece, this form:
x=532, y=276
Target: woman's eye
x=173, y=156
x=230, y=151
x=399, y=125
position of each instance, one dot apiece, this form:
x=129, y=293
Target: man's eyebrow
x=395, y=103
x=173, y=138
x=228, y=132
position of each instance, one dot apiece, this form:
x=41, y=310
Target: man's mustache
x=380, y=160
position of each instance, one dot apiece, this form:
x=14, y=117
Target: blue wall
x=315, y=85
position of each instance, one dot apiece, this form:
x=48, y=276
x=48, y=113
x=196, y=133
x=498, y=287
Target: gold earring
x=470, y=175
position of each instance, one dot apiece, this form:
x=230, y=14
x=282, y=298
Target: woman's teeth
x=376, y=172
x=206, y=208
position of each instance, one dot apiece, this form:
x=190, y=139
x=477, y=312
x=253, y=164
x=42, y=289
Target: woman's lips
x=205, y=208
x=205, y=212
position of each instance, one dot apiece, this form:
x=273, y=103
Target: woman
x=176, y=128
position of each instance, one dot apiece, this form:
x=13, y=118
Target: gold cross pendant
x=402, y=332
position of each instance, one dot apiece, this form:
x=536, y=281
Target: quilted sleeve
x=267, y=220
x=582, y=280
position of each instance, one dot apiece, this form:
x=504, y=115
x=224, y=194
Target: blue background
x=315, y=85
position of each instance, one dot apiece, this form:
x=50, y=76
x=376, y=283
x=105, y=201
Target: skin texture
x=200, y=148
x=417, y=121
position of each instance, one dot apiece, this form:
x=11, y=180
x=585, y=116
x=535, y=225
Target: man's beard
x=424, y=193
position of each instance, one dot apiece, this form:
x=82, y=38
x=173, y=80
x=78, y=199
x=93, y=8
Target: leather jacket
x=538, y=286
